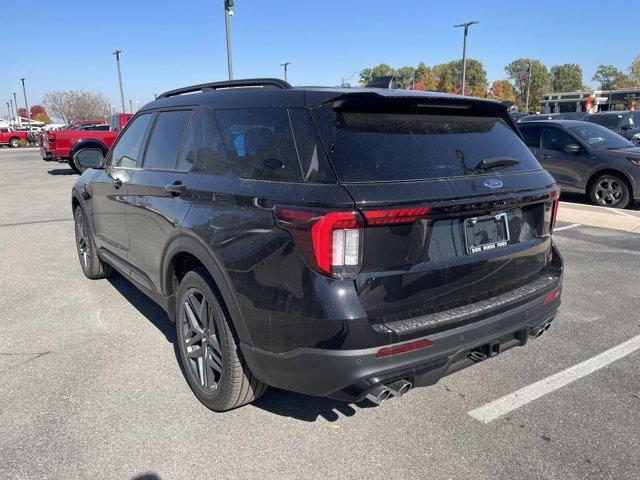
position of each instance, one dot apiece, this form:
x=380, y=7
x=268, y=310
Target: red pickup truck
x=63, y=145
x=11, y=137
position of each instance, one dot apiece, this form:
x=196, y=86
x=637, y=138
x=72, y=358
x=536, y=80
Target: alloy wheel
x=201, y=341
x=81, y=240
x=609, y=191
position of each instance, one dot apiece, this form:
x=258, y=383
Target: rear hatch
x=457, y=211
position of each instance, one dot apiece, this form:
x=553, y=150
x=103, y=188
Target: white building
x=590, y=101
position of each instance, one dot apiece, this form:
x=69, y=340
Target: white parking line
x=573, y=225
x=517, y=399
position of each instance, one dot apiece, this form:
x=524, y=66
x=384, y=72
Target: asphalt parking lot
x=90, y=386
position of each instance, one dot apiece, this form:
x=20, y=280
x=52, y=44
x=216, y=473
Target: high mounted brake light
x=331, y=242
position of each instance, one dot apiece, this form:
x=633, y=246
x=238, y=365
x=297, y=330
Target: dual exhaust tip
x=380, y=393
x=538, y=331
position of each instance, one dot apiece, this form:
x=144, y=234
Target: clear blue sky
x=170, y=44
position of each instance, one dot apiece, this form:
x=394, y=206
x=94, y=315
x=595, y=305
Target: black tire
x=209, y=349
x=610, y=190
x=14, y=142
x=73, y=165
x=91, y=265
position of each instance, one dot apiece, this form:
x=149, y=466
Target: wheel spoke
x=191, y=339
x=201, y=370
x=192, y=318
x=196, y=352
x=214, y=360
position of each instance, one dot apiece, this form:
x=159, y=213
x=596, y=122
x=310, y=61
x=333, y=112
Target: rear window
x=370, y=147
x=260, y=144
x=609, y=121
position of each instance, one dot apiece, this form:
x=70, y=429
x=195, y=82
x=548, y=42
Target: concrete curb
x=603, y=217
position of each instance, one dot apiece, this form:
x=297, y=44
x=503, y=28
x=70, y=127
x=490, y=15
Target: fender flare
x=188, y=242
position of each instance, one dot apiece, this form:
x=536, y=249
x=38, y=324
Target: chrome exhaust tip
x=378, y=394
x=399, y=388
x=538, y=331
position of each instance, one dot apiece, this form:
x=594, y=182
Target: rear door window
x=260, y=144
x=378, y=147
x=166, y=139
x=531, y=135
x=553, y=138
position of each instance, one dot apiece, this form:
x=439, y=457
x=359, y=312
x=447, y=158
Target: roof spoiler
x=249, y=82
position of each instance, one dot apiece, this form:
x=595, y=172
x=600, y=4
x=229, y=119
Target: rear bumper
x=350, y=374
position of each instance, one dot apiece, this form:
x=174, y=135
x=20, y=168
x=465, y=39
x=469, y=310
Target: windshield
x=370, y=147
x=600, y=137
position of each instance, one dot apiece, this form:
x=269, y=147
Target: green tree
x=518, y=71
x=426, y=79
x=404, y=76
x=566, y=78
x=381, y=70
x=449, y=76
x=609, y=76
x=634, y=71
x=502, y=90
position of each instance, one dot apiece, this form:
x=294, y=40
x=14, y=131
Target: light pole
x=610, y=92
x=15, y=104
x=26, y=104
x=228, y=13
x=12, y=117
x=285, y=65
x=526, y=108
x=464, y=50
x=117, y=54
x=9, y=112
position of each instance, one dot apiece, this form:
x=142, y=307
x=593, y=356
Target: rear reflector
x=395, y=216
x=551, y=296
x=403, y=348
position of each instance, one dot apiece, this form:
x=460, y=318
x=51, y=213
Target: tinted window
x=392, y=146
x=531, y=136
x=553, y=138
x=212, y=155
x=260, y=144
x=166, y=139
x=314, y=163
x=128, y=150
x=609, y=121
x=187, y=155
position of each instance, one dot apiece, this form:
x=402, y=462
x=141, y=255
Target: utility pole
x=526, y=108
x=285, y=65
x=613, y=87
x=464, y=50
x=228, y=13
x=117, y=54
x=15, y=104
x=9, y=112
x=12, y=113
x=26, y=104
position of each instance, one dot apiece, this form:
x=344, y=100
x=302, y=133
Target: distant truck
x=63, y=145
x=9, y=136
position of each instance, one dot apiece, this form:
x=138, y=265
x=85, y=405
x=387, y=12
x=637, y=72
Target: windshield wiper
x=496, y=162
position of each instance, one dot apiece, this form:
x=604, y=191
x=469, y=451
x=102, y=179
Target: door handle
x=176, y=188
x=117, y=182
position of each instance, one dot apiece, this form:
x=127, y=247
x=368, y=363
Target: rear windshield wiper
x=496, y=162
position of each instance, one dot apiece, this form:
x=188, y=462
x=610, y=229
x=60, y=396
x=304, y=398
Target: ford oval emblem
x=493, y=183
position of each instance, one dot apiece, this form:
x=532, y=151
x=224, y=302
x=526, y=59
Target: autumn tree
x=518, y=72
x=566, y=78
x=35, y=110
x=22, y=112
x=502, y=90
x=634, y=71
x=76, y=105
x=425, y=78
x=42, y=117
x=449, y=76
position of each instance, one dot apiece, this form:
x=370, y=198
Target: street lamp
x=15, y=104
x=117, y=54
x=9, y=112
x=464, y=50
x=26, y=104
x=13, y=118
x=526, y=108
x=228, y=13
x=610, y=92
x=285, y=65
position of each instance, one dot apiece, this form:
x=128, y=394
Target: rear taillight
x=395, y=216
x=330, y=241
x=554, y=197
x=551, y=296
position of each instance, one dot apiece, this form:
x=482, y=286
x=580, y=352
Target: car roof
x=562, y=123
x=308, y=96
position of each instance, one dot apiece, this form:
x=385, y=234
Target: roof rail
x=250, y=82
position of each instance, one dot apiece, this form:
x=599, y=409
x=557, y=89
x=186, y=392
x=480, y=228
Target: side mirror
x=89, y=158
x=572, y=148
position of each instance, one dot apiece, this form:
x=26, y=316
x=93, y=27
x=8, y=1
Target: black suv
x=625, y=123
x=348, y=243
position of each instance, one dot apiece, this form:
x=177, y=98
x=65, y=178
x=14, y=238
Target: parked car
x=587, y=158
x=625, y=123
x=63, y=145
x=554, y=116
x=10, y=136
x=348, y=243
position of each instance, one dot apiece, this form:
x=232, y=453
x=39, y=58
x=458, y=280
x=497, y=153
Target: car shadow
x=62, y=171
x=306, y=408
x=147, y=307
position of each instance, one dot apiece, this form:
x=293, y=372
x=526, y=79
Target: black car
x=554, y=116
x=625, y=123
x=348, y=243
x=587, y=158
